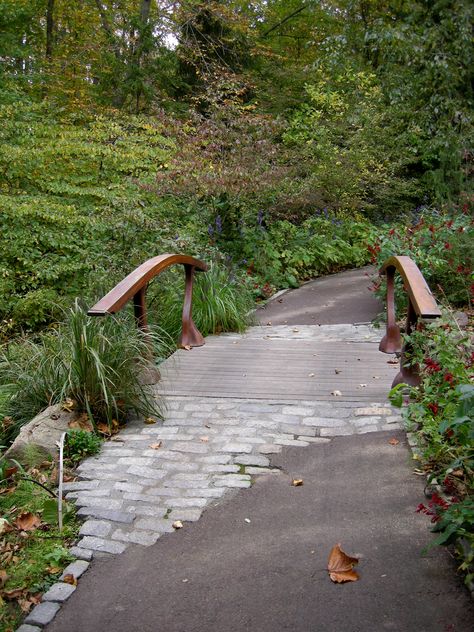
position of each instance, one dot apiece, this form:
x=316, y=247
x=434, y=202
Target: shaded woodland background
x=272, y=135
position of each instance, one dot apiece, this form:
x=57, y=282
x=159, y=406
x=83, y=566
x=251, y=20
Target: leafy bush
x=441, y=414
x=441, y=246
x=81, y=443
x=96, y=363
x=284, y=254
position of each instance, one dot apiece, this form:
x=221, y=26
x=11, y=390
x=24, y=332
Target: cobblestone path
x=212, y=442
x=149, y=476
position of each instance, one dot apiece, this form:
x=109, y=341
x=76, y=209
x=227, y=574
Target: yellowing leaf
x=70, y=579
x=149, y=420
x=297, y=482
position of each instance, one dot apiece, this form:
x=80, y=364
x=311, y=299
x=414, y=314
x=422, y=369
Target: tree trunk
x=49, y=29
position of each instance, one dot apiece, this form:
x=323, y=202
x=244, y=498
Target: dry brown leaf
x=27, y=521
x=9, y=471
x=155, y=446
x=68, y=404
x=149, y=420
x=5, y=526
x=103, y=428
x=14, y=594
x=340, y=566
x=3, y=578
x=27, y=602
x=177, y=524
x=297, y=482
x=53, y=570
x=393, y=441
x=70, y=579
x=82, y=422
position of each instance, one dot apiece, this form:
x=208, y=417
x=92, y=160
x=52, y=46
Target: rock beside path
x=44, y=431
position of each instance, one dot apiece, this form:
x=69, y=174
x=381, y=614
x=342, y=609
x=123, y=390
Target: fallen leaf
x=297, y=482
x=103, y=428
x=53, y=570
x=82, y=422
x=9, y=471
x=177, y=524
x=70, y=579
x=204, y=439
x=5, y=526
x=149, y=420
x=340, y=566
x=393, y=441
x=269, y=323
x=68, y=404
x=14, y=594
x=155, y=446
x=27, y=521
x=336, y=393
x=337, y=371
x=186, y=347
x=3, y=578
x=392, y=361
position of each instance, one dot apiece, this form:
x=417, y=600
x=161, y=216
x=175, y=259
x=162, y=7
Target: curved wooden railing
x=134, y=287
x=421, y=306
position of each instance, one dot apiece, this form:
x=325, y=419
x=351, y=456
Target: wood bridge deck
x=286, y=363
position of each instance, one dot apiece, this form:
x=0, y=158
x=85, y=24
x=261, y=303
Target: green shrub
x=95, y=362
x=81, y=443
x=441, y=414
x=441, y=244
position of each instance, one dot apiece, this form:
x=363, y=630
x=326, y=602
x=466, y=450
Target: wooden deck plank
x=277, y=368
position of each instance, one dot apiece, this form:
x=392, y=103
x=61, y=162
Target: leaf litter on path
x=340, y=566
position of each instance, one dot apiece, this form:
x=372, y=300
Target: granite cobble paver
x=59, y=592
x=43, y=613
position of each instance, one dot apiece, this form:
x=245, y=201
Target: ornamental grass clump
x=221, y=302
x=94, y=362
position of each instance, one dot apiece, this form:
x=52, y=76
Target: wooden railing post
x=421, y=306
x=134, y=286
x=190, y=336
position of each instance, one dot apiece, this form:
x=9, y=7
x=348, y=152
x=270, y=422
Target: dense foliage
x=441, y=414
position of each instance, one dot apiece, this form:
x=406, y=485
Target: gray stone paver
x=59, y=592
x=151, y=475
x=43, y=613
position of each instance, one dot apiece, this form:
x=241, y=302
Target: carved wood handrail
x=134, y=287
x=421, y=306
